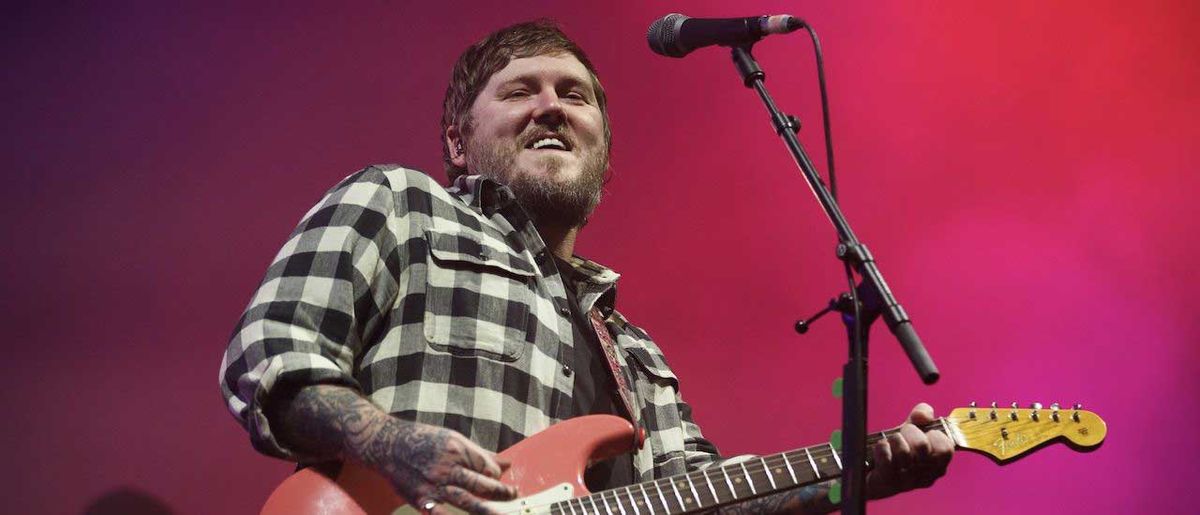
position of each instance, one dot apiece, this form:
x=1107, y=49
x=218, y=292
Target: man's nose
x=548, y=108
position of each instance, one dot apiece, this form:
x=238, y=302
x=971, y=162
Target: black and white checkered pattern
x=444, y=306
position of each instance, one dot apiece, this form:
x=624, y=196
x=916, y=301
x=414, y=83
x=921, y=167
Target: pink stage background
x=1024, y=171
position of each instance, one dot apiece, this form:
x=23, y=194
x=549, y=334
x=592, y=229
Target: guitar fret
x=595, y=507
x=604, y=502
x=768, y=471
x=617, y=500
x=791, y=471
x=835, y=456
x=649, y=505
x=946, y=429
x=704, y=472
x=748, y=478
x=692, y=486
x=662, y=498
x=732, y=493
x=816, y=473
x=677, y=496
x=632, y=501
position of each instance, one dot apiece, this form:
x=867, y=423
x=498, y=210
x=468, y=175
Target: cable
x=824, y=109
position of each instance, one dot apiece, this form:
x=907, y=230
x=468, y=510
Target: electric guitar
x=547, y=468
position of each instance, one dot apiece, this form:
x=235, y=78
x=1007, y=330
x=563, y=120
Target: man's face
x=536, y=126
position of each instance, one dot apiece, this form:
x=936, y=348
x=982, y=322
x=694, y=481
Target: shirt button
x=566, y=370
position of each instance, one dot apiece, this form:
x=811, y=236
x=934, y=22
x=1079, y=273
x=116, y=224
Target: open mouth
x=550, y=142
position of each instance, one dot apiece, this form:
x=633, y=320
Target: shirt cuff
x=280, y=375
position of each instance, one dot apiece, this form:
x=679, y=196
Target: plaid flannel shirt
x=445, y=307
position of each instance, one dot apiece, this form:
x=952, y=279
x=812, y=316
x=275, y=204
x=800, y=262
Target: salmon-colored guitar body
x=549, y=465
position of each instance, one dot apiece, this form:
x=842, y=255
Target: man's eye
x=517, y=93
x=575, y=95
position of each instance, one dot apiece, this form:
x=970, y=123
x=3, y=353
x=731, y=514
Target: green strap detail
x=835, y=492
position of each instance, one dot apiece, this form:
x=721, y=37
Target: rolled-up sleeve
x=326, y=293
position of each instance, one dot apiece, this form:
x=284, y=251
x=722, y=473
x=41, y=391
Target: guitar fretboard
x=717, y=486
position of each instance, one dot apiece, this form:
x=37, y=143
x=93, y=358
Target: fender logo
x=1014, y=441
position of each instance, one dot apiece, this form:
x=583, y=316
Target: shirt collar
x=596, y=284
x=482, y=193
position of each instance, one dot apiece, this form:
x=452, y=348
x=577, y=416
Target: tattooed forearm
x=807, y=500
x=327, y=421
x=423, y=462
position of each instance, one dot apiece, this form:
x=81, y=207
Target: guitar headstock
x=1007, y=433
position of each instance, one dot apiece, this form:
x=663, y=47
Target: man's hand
x=909, y=459
x=431, y=467
x=436, y=467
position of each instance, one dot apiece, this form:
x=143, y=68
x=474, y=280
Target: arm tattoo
x=328, y=422
x=807, y=500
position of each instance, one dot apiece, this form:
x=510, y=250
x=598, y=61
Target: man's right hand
x=433, y=468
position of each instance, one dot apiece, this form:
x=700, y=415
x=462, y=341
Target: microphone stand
x=873, y=295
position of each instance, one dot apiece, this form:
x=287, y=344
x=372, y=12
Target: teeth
x=549, y=142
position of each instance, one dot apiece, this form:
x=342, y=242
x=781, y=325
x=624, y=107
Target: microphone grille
x=663, y=35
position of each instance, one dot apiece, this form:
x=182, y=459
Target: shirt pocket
x=660, y=376
x=477, y=297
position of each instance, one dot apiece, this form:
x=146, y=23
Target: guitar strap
x=614, y=367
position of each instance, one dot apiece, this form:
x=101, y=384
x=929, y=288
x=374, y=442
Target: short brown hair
x=480, y=61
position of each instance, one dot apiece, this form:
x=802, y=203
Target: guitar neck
x=726, y=484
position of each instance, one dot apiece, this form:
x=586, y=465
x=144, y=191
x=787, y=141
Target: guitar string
x=754, y=468
x=822, y=453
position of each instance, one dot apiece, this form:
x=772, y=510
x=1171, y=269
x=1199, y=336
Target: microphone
x=676, y=35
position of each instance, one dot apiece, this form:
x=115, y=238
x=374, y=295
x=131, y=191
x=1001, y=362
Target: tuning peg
x=1033, y=415
x=1013, y=414
x=1075, y=414
x=971, y=413
x=993, y=413
x=1054, y=411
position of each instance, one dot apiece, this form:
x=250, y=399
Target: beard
x=545, y=199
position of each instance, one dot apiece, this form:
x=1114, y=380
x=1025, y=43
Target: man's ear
x=454, y=142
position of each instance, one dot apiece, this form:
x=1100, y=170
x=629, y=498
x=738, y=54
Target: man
x=418, y=330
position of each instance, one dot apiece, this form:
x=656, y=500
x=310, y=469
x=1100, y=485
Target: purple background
x=1024, y=171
